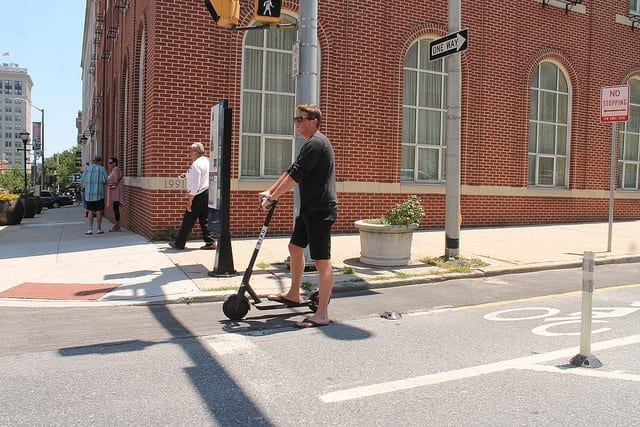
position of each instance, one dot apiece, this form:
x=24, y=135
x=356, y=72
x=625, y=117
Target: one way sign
x=449, y=44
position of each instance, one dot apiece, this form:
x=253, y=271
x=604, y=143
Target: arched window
x=268, y=101
x=628, y=150
x=141, y=95
x=549, y=127
x=423, y=116
x=124, y=123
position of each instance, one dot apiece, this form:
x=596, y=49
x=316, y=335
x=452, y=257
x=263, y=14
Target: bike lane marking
x=473, y=371
x=569, y=319
x=539, y=298
x=615, y=375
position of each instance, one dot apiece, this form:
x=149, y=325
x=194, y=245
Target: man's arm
x=275, y=184
x=284, y=184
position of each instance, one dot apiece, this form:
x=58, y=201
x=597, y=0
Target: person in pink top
x=116, y=191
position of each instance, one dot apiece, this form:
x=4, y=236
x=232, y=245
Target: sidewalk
x=125, y=268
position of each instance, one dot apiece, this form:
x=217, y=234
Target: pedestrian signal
x=226, y=13
x=267, y=11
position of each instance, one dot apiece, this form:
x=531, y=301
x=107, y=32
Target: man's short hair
x=312, y=110
x=197, y=146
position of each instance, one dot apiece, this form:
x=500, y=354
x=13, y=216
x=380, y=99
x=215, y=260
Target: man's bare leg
x=99, y=219
x=325, y=286
x=296, y=267
x=90, y=219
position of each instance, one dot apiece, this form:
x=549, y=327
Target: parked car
x=51, y=199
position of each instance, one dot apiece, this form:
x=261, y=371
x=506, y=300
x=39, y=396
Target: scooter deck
x=273, y=305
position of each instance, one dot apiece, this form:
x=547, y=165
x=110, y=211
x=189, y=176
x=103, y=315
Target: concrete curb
x=357, y=283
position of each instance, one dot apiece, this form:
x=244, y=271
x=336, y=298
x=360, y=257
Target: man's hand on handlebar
x=266, y=202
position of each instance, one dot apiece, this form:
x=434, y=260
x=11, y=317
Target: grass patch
x=263, y=265
x=170, y=233
x=221, y=288
x=455, y=265
x=348, y=270
x=397, y=275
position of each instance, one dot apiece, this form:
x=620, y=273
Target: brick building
x=533, y=149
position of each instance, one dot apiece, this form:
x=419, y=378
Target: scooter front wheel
x=235, y=308
x=314, y=300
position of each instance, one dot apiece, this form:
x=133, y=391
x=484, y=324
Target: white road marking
x=496, y=316
x=229, y=344
x=615, y=375
x=544, y=330
x=473, y=371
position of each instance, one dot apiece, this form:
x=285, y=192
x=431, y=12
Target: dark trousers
x=200, y=212
x=116, y=210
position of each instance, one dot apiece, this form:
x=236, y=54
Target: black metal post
x=25, y=139
x=24, y=152
x=223, y=264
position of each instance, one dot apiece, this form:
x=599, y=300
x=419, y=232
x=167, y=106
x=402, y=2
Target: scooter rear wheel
x=236, y=308
x=314, y=300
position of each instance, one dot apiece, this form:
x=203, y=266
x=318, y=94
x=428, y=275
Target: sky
x=45, y=36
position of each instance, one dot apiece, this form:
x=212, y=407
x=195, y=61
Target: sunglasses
x=298, y=119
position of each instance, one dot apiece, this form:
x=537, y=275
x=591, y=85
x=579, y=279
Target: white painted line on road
x=473, y=371
x=229, y=344
x=542, y=297
x=545, y=331
x=496, y=316
x=617, y=375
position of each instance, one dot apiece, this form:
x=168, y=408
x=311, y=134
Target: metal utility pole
x=307, y=76
x=42, y=183
x=454, y=117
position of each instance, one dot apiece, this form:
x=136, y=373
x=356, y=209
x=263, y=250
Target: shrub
x=408, y=212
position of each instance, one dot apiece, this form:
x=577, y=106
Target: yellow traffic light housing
x=267, y=11
x=226, y=13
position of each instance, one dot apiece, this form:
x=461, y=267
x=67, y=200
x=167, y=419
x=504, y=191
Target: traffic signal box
x=226, y=13
x=267, y=11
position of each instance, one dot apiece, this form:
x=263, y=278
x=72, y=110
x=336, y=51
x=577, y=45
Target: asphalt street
x=497, y=362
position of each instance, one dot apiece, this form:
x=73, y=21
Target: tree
x=61, y=167
x=13, y=179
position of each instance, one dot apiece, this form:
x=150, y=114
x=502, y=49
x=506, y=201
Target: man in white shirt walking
x=197, y=200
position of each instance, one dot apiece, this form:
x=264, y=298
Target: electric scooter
x=237, y=305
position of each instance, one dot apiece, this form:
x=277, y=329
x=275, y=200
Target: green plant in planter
x=408, y=212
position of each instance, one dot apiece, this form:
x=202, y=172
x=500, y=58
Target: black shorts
x=96, y=205
x=314, y=229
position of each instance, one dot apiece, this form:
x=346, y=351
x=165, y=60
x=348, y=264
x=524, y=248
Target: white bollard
x=585, y=358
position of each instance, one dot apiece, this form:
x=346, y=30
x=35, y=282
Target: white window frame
x=560, y=162
x=629, y=143
x=412, y=143
x=265, y=138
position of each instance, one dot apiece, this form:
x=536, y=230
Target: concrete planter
x=30, y=207
x=385, y=245
x=11, y=212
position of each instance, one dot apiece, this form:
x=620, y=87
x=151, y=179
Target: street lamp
x=24, y=136
x=41, y=141
x=35, y=145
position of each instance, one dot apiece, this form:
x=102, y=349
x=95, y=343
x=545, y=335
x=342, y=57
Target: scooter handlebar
x=268, y=203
